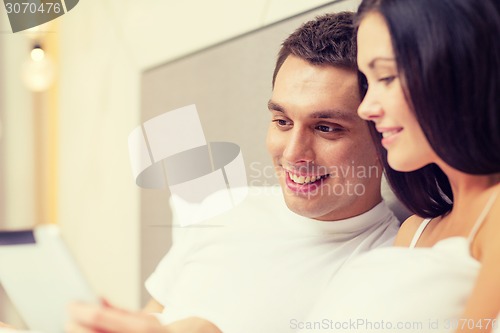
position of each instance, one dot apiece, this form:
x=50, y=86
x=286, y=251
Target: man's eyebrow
x=334, y=114
x=322, y=114
x=372, y=63
x=272, y=106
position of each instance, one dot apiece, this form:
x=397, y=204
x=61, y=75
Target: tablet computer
x=41, y=277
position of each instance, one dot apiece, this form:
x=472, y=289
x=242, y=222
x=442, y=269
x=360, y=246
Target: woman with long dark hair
x=432, y=69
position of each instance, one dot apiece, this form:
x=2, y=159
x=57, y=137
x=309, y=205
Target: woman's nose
x=370, y=108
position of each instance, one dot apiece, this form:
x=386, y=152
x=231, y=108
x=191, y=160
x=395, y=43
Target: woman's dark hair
x=448, y=55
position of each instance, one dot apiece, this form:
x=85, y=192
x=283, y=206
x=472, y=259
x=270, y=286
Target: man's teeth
x=305, y=180
x=389, y=133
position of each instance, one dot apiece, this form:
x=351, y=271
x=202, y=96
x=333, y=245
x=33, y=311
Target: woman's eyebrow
x=376, y=60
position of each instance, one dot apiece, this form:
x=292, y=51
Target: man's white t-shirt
x=260, y=267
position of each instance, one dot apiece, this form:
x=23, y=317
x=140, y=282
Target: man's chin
x=301, y=205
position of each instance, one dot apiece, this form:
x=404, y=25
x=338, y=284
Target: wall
x=17, y=125
x=16, y=142
x=230, y=83
x=105, y=45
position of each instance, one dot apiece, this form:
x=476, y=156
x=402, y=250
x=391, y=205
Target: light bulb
x=37, y=54
x=38, y=70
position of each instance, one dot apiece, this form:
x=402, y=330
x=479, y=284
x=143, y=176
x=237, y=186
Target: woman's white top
x=399, y=289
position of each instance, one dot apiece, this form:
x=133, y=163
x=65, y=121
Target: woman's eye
x=387, y=79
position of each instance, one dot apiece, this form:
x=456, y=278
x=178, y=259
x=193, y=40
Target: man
x=264, y=268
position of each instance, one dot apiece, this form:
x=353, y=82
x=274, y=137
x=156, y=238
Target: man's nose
x=299, y=147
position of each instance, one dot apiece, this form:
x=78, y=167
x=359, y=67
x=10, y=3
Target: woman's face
x=385, y=103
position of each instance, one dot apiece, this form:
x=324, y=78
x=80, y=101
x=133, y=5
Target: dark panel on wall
x=230, y=83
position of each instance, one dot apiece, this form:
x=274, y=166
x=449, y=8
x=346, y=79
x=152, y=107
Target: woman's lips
x=389, y=135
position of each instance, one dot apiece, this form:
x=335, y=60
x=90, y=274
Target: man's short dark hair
x=327, y=40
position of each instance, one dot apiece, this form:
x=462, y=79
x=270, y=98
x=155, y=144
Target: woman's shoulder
x=487, y=239
x=408, y=230
x=492, y=211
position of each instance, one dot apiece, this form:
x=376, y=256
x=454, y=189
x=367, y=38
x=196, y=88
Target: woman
x=433, y=74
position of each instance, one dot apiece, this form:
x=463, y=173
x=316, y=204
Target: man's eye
x=363, y=82
x=328, y=129
x=281, y=122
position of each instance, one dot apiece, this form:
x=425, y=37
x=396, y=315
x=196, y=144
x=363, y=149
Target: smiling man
x=265, y=266
x=326, y=164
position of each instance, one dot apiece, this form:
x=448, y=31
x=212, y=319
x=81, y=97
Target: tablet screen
x=41, y=277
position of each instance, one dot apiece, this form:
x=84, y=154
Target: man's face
x=322, y=151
